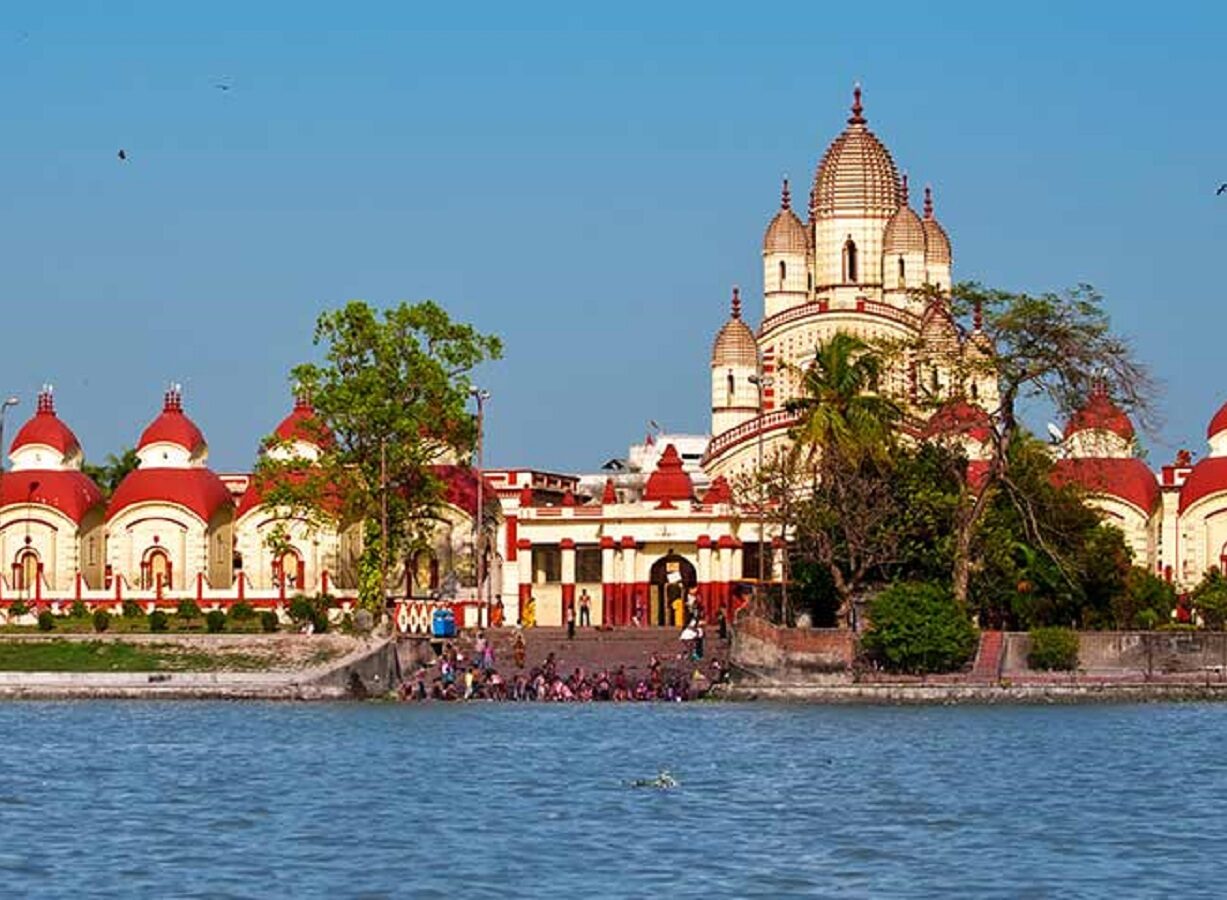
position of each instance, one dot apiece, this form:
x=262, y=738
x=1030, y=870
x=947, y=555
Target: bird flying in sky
x=1222, y=189
x=122, y=154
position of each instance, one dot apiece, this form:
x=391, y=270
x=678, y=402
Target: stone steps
x=594, y=650
x=989, y=656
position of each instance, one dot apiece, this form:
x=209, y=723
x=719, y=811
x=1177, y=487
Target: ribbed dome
x=786, y=233
x=856, y=175
x=905, y=233
x=937, y=243
x=1099, y=413
x=735, y=344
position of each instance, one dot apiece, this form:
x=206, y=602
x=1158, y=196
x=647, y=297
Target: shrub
x=102, y=620
x=301, y=609
x=268, y=621
x=18, y=608
x=919, y=627
x=78, y=610
x=1210, y=599
x=159, y=621
x=132, y=610
x=46, y=621
x=188, y=609
x=242, y=611
x=313, y=610
x=1053, y=648
x=1147, y=619
x=215, y=621
x=1145, y=601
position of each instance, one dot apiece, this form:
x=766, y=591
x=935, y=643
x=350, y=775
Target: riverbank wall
x=820, y=666
x=367, y=667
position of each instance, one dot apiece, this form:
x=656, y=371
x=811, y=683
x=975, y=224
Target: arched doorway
x=25, y=572
x=424, y=574
x=670, y=578
x=155, y=570
x=289, y=572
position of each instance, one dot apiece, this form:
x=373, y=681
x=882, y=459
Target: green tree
x=1210, y=599
x=840, y=412
x=1041, y=556
x=1047, y=346
x=1146, y=600
x=920, y=628
x=833, y=492
x=390, y=397
x=107, y=475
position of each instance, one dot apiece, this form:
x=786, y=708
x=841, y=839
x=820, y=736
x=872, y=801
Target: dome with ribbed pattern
x=857, y=175
x=905, y=233
x=937, y=243
x=786, y=233
x=735, y=344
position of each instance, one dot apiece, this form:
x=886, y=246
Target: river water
x=364, y=800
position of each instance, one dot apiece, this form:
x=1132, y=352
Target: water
x=362, y=800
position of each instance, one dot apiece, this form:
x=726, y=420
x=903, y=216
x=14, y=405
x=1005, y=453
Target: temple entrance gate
x=670, y=578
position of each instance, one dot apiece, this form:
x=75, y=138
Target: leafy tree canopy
x=390, y=399
x=108, y=474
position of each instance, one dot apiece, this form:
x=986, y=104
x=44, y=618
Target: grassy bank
x=59, y=655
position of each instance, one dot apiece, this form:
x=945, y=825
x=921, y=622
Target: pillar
x=567, y=548
x=724, y=570
x=608, y=579
x=626, y=600
x=524, y=566
x=703, y=574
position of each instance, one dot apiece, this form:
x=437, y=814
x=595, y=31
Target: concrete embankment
x=939, y=694
x=365, y=667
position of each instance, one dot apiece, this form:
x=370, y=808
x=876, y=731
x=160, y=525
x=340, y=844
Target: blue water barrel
x=443, y=623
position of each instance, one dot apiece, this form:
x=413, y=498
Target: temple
x=652, y=525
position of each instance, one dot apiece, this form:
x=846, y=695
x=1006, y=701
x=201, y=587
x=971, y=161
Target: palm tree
x=841, y=413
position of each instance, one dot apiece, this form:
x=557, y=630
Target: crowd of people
x=453, y=676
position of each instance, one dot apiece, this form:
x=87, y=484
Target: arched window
x=902, y=273
x=935, y=382
x=850, y=261
x=783, y=273
x=975, y=391
x=730, y=388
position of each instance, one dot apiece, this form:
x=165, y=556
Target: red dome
x=46, y=428
x=1218, y=423
x=1126, y=479
x=959, y=417
x=172, y=427
x=1208, y=477
x=199, y=490
x=1100, y=414
x=71, y=492
x=253, y=497
x=669, y=481
x=302, y=425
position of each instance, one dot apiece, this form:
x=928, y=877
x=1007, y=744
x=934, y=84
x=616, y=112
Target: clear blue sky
x=586, y=184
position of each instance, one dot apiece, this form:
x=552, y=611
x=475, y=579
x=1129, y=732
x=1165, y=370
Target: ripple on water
x=203, y=799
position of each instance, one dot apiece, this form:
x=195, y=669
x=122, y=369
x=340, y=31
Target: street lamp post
x=481, y=395
x=4, y=407
x=760, y=381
